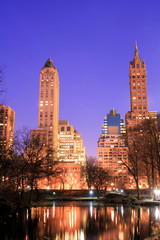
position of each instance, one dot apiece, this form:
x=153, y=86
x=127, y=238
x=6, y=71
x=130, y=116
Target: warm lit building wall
x=139, y=104
x=111, y=150
x=138, y=93
x=69, y=177
x=49, y=101
x=7, y=121
x=70, y=144
x=41, y=134
x=111, y=153
x=138, y=84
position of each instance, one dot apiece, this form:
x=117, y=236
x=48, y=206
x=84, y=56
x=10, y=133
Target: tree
x=95, y=176
x=62, y=178
x=144, y=153
x=33, y=161
x=102, y=177
x=150, y=150
x=134, y=158
x=5, y=167
x=88, y=172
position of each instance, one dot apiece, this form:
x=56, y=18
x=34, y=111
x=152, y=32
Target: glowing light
x=27, y=214
x=157, y=191
x=91, y=192
x=91, y=209
x=122, y=210
x=112, y=215
x=82, y=234
x=54, y=209
x=157, y=213
x=47, y=213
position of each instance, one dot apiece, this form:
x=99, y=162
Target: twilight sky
x=90, y=43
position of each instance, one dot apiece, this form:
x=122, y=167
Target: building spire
x=136, y=52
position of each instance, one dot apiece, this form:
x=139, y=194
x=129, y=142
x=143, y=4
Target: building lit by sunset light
x=111, y=150
x=70, y=146
x=138, y=93
x=7, y=121
x=48, y=104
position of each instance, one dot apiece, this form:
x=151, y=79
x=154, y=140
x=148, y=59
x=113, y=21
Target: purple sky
x=90, y=43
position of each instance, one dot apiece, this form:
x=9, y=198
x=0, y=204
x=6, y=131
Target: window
x=68, y=128
x=62, y=128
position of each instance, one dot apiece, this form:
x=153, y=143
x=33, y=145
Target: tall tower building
x=138, y=93
x=138, y=84
x=48, y=104
x=7, y=121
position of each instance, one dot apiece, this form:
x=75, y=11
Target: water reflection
x=80, y=221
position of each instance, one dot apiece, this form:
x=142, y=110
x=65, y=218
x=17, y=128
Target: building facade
x=68, y=151
x=138, y=93
x=70, y=148
x=111, y=150
x=113, y=119
x=48, y=104
x=7, y=122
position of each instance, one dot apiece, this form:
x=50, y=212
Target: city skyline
x=93, y=66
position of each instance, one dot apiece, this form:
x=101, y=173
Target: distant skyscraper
x=111, y=150
x=138, y=93
x=71, y=147
x=48, y=104
x=113, y=119
x=7, y=121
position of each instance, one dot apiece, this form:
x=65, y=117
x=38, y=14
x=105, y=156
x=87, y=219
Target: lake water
x=80, y=221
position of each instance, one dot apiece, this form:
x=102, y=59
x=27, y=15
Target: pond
x=80, y=221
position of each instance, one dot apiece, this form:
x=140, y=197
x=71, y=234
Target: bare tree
x=88, y=172
x=32, y=161
x=151, y=150
x=95, y=177
x=133, y=163
x=62, y=178
x=102, y=177
x=144, y=153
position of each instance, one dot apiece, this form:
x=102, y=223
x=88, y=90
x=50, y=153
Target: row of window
x=138, y=76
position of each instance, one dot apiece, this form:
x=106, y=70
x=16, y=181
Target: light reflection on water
x=81, y=221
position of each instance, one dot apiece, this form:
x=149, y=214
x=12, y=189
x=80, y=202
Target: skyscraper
x=113, y=119
x=48, y=104
x=138, y=92
x=111, y=150
x=70, y=147
x=7, y=121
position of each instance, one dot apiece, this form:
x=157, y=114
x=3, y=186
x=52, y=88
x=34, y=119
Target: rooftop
x=49, y=63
